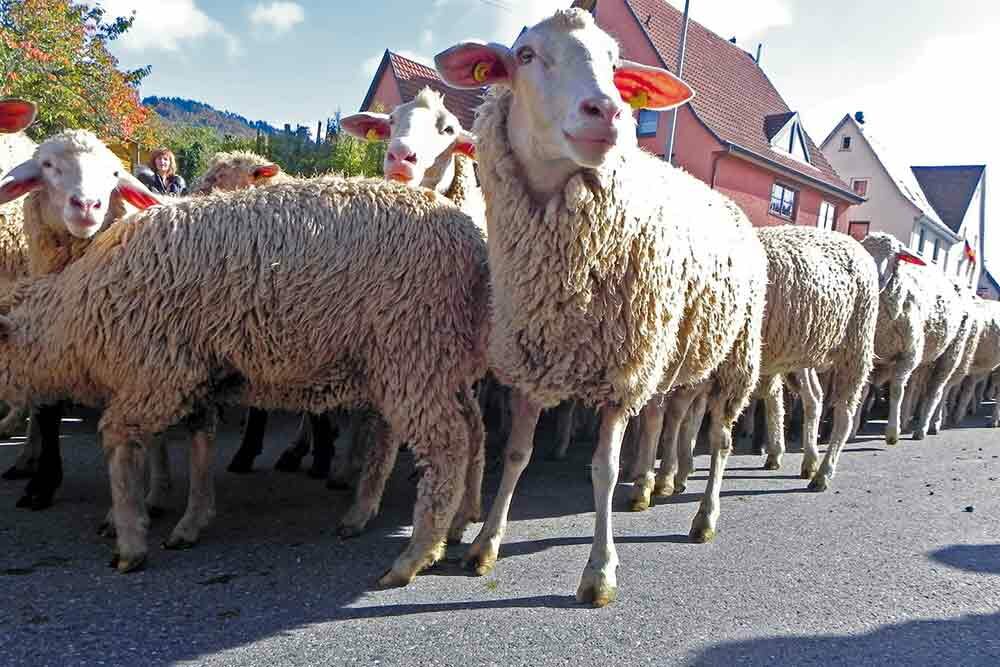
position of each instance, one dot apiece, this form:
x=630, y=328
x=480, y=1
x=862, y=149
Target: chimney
x=732, y=40
x=759, y=47
x=860, y=117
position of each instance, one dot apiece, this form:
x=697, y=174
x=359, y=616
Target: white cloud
x=278, y=16
x=166, y=25
x=740, y=18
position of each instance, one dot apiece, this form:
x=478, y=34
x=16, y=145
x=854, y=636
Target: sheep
x=918, y=323
x=75, y=187
x=301, y=296
x=615, y=276
x=15, y=147
x=238, y=170
x=968, y=338
x=427, y=146
x=985, y=360
x=820, y=314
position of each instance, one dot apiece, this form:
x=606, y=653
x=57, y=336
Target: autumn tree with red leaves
x=54, y=52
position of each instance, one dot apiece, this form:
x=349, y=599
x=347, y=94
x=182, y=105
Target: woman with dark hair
x=161, y=174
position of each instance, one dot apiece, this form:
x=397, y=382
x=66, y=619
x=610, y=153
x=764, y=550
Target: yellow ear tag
x=481, y=71
x=639, y=100
x=372, y=135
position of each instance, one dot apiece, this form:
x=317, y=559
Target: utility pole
x=680, y=74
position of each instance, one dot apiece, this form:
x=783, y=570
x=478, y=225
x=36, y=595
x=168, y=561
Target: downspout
x=716, y=156
x=680, y=74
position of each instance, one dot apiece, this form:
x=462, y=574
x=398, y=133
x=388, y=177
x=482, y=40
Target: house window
x=858, y=229
x=827, y=216
x=783, y=201
x=937, y=250
x=648, y=121
x=845, y=144
x=860, y=186
x=923, y=238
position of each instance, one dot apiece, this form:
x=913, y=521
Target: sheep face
x=78, y=174
x=236, y=171
x=422, y=134
x=888, y=253
x=570, y=87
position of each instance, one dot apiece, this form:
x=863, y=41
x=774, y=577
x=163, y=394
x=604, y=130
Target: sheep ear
x=465, y=144
x=20, y=180
x=910, y=259
x=644, y=87
x=472, y=65
x=135, y=193
x=15, y=115
x=266, y=171
x=367, y=125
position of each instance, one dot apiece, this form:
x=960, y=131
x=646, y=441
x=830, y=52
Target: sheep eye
x=47, y=164
x=525, y=55
x=116, y=174
x=449, y=130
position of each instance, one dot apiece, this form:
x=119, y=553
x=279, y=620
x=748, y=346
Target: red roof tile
x=412, y=77
x=734, y=97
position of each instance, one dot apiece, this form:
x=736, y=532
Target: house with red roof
x=737, y=134
x=938, y=212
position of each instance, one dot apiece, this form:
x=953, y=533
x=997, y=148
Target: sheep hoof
x=641, y=498
x=918, y=434
x=663, y=490
x=808, y=471
x=241, y=465
x=701, y=531
x=107, y=529
x=14, y=473
x=479, y=560
x=347, y=531
x=155, y=511
x=126, y=565
x=596, y=588
x=177, y=543
x=892, y=440
x=819, y=483
x=288, y=462
x=393, y=579
x=35, y=501
x=772, y=463
x=933, y=430
x=679, y=489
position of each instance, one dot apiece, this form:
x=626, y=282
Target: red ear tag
x=911, y=259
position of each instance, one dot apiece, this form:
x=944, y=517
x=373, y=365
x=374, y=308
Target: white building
x=938, y=212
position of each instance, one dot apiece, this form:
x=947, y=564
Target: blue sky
x=923, y=71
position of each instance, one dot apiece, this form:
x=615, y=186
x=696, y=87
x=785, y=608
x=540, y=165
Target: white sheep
x=75, y=187
x=820, y=315
x=985, y=361
x=615, y=276
x=302, y=296
x=918, y=323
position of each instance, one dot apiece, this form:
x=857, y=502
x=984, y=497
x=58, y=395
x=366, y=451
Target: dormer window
x=784, y=131
x=845, y=143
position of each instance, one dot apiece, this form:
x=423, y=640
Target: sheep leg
x=323, y=436
x=566, y=413
x=159, y=477
x=302, y=442
x=650, y=425
x=349, y=456
x=841, y=430
x=928, y=415
x=444, y=459
x=252, y=442
x=705, y=524
x=599, y=584
x=966, y=396
x=898, y=392
x=774, y=409
x=980, y=395
x=471, y=508
x=483, y=552
x=688, y=440
x=125, y=468
x=675, y=411
x=13, y=421
x=812, y=406
x=201, y=490
x=379, y=461
x=42, y=487
x=26, y=463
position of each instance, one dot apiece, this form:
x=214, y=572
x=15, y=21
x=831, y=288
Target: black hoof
x=15, y=473
x=288, y=462
x=240, y=466
x=155, y=512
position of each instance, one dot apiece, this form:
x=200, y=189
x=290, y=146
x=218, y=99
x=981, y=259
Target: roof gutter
x=746, y=154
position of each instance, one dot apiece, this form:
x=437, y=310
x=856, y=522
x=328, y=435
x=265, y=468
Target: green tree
x=54, y=52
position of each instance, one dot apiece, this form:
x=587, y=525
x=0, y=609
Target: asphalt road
x=898, y=564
